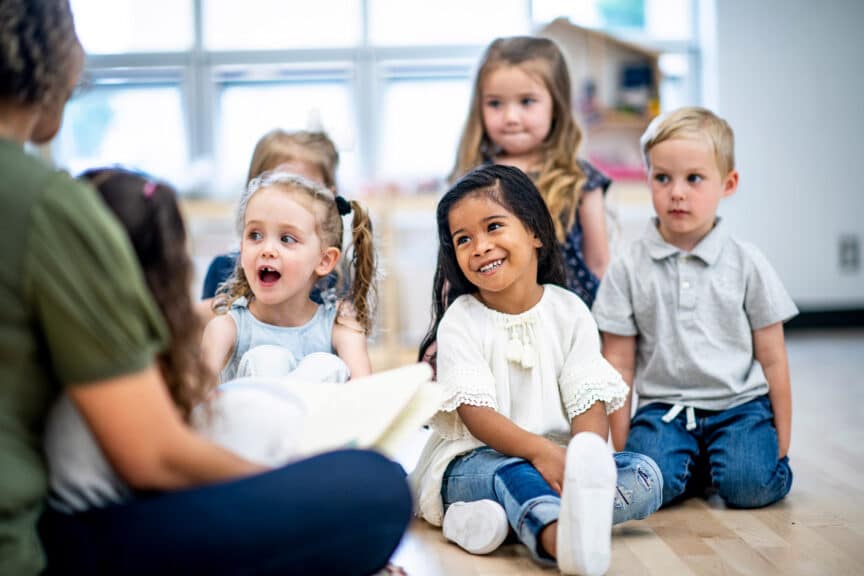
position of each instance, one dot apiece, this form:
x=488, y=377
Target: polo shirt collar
x=708, y=250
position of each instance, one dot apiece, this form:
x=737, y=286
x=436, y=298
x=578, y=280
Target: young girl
x=308, y=153
x=520, y=365
x=291, y=237
x=97, y=523
x=520, y=116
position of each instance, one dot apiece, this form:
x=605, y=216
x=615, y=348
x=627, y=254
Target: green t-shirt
x=75, y=309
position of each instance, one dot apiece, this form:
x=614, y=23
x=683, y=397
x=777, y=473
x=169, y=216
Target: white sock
x=479, y=527
x=587, y=501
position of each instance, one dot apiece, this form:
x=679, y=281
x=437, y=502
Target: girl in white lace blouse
x=520, y=366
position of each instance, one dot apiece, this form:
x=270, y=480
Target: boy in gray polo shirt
x=693, y=319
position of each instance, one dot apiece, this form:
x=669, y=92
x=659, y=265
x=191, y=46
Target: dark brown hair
x=149, y=212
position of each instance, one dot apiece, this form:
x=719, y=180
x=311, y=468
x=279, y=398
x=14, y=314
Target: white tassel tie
x=520, y=344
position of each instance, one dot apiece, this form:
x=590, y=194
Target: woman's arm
x=218, y=341
x=144, y=438
x=500, y=433
x=595, y=241
x=620, y=351
x=769, y=347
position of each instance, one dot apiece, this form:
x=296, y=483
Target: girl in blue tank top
x=268, y=326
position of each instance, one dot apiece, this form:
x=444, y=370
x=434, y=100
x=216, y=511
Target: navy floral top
x=579, y=278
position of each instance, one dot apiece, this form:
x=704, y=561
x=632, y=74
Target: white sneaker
x=587, y=502
x=478, y=527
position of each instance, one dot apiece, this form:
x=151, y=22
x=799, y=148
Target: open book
x=275, y=420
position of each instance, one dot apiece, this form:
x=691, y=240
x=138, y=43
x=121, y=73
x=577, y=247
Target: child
x=693, y=319
x=309, y=154
x=520, y=116
x=88, y=499
x=291, y=237
x=520, y=366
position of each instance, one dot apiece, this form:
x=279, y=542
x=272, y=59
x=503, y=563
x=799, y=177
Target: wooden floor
x=818, y=529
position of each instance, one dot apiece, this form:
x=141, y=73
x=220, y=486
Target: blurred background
x=184, y=88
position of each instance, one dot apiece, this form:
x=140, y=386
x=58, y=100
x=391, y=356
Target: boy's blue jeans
x=531, y=504
x=733, y=450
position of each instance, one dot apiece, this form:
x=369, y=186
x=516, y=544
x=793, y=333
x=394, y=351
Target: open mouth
x=268, y=275
x=491, y=266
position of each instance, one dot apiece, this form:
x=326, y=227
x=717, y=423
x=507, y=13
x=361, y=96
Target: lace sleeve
x=594, y=381
x=463, y=373
x=586, y=376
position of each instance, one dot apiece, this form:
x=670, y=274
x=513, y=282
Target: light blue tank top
x=314, y=336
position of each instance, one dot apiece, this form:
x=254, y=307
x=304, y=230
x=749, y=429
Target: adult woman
x=78, y=317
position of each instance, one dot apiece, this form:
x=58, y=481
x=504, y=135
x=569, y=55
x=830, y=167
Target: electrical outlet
x=849, y=253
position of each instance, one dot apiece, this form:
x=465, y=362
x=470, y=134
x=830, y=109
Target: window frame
x=370, y=67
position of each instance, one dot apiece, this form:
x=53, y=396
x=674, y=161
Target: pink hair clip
x=149, y=188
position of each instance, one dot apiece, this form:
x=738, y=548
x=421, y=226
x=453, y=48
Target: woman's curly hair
x=37, y=40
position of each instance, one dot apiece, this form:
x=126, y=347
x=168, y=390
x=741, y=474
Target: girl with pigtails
x=291, y=238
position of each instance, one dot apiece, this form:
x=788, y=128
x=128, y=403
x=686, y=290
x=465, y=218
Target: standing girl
x=520, y=116
x=291, y=237
x=520, y=366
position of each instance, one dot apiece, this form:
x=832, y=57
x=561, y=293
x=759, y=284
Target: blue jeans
x=337, y=513
x=734, y=451
x=531, y=504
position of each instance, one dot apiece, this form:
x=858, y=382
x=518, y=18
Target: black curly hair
x=37, y=42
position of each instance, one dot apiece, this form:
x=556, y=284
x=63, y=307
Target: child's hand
x=550, y=463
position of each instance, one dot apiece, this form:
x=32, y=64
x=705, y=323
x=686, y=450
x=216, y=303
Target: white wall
x=789, y=76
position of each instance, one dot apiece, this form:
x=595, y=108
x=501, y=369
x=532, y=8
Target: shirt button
x=686, y=285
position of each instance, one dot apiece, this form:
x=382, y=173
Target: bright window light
x=250, y=110
x=401, y=22
x=122, y=26
x=281, y=24
x=138, y=126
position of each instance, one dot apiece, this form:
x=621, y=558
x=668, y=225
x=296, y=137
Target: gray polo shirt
x=693, y=315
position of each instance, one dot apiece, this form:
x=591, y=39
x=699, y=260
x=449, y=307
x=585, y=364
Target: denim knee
x=640, y=487
x=746, y=486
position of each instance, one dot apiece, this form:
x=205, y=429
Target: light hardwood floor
x=818, y=529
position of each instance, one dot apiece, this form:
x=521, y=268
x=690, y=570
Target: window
x=650, y=20
x=184, y=88
x=281, y=24
x=401, y=23
x=248, y=108
x=123, y=26
x=423, y=111
x=137, y=124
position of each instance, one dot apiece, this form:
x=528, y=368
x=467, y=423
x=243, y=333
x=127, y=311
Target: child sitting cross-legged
x=521, y=438
x=693, y=319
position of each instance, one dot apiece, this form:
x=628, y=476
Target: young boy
x=693, y=319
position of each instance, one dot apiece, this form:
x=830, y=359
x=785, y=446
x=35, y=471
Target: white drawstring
x=676, y=409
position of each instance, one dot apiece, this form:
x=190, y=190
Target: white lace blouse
x=539, y=369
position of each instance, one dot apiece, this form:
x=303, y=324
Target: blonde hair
x=688, y=122
x=560, y=179
x=324, y=206
x=278, y=146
